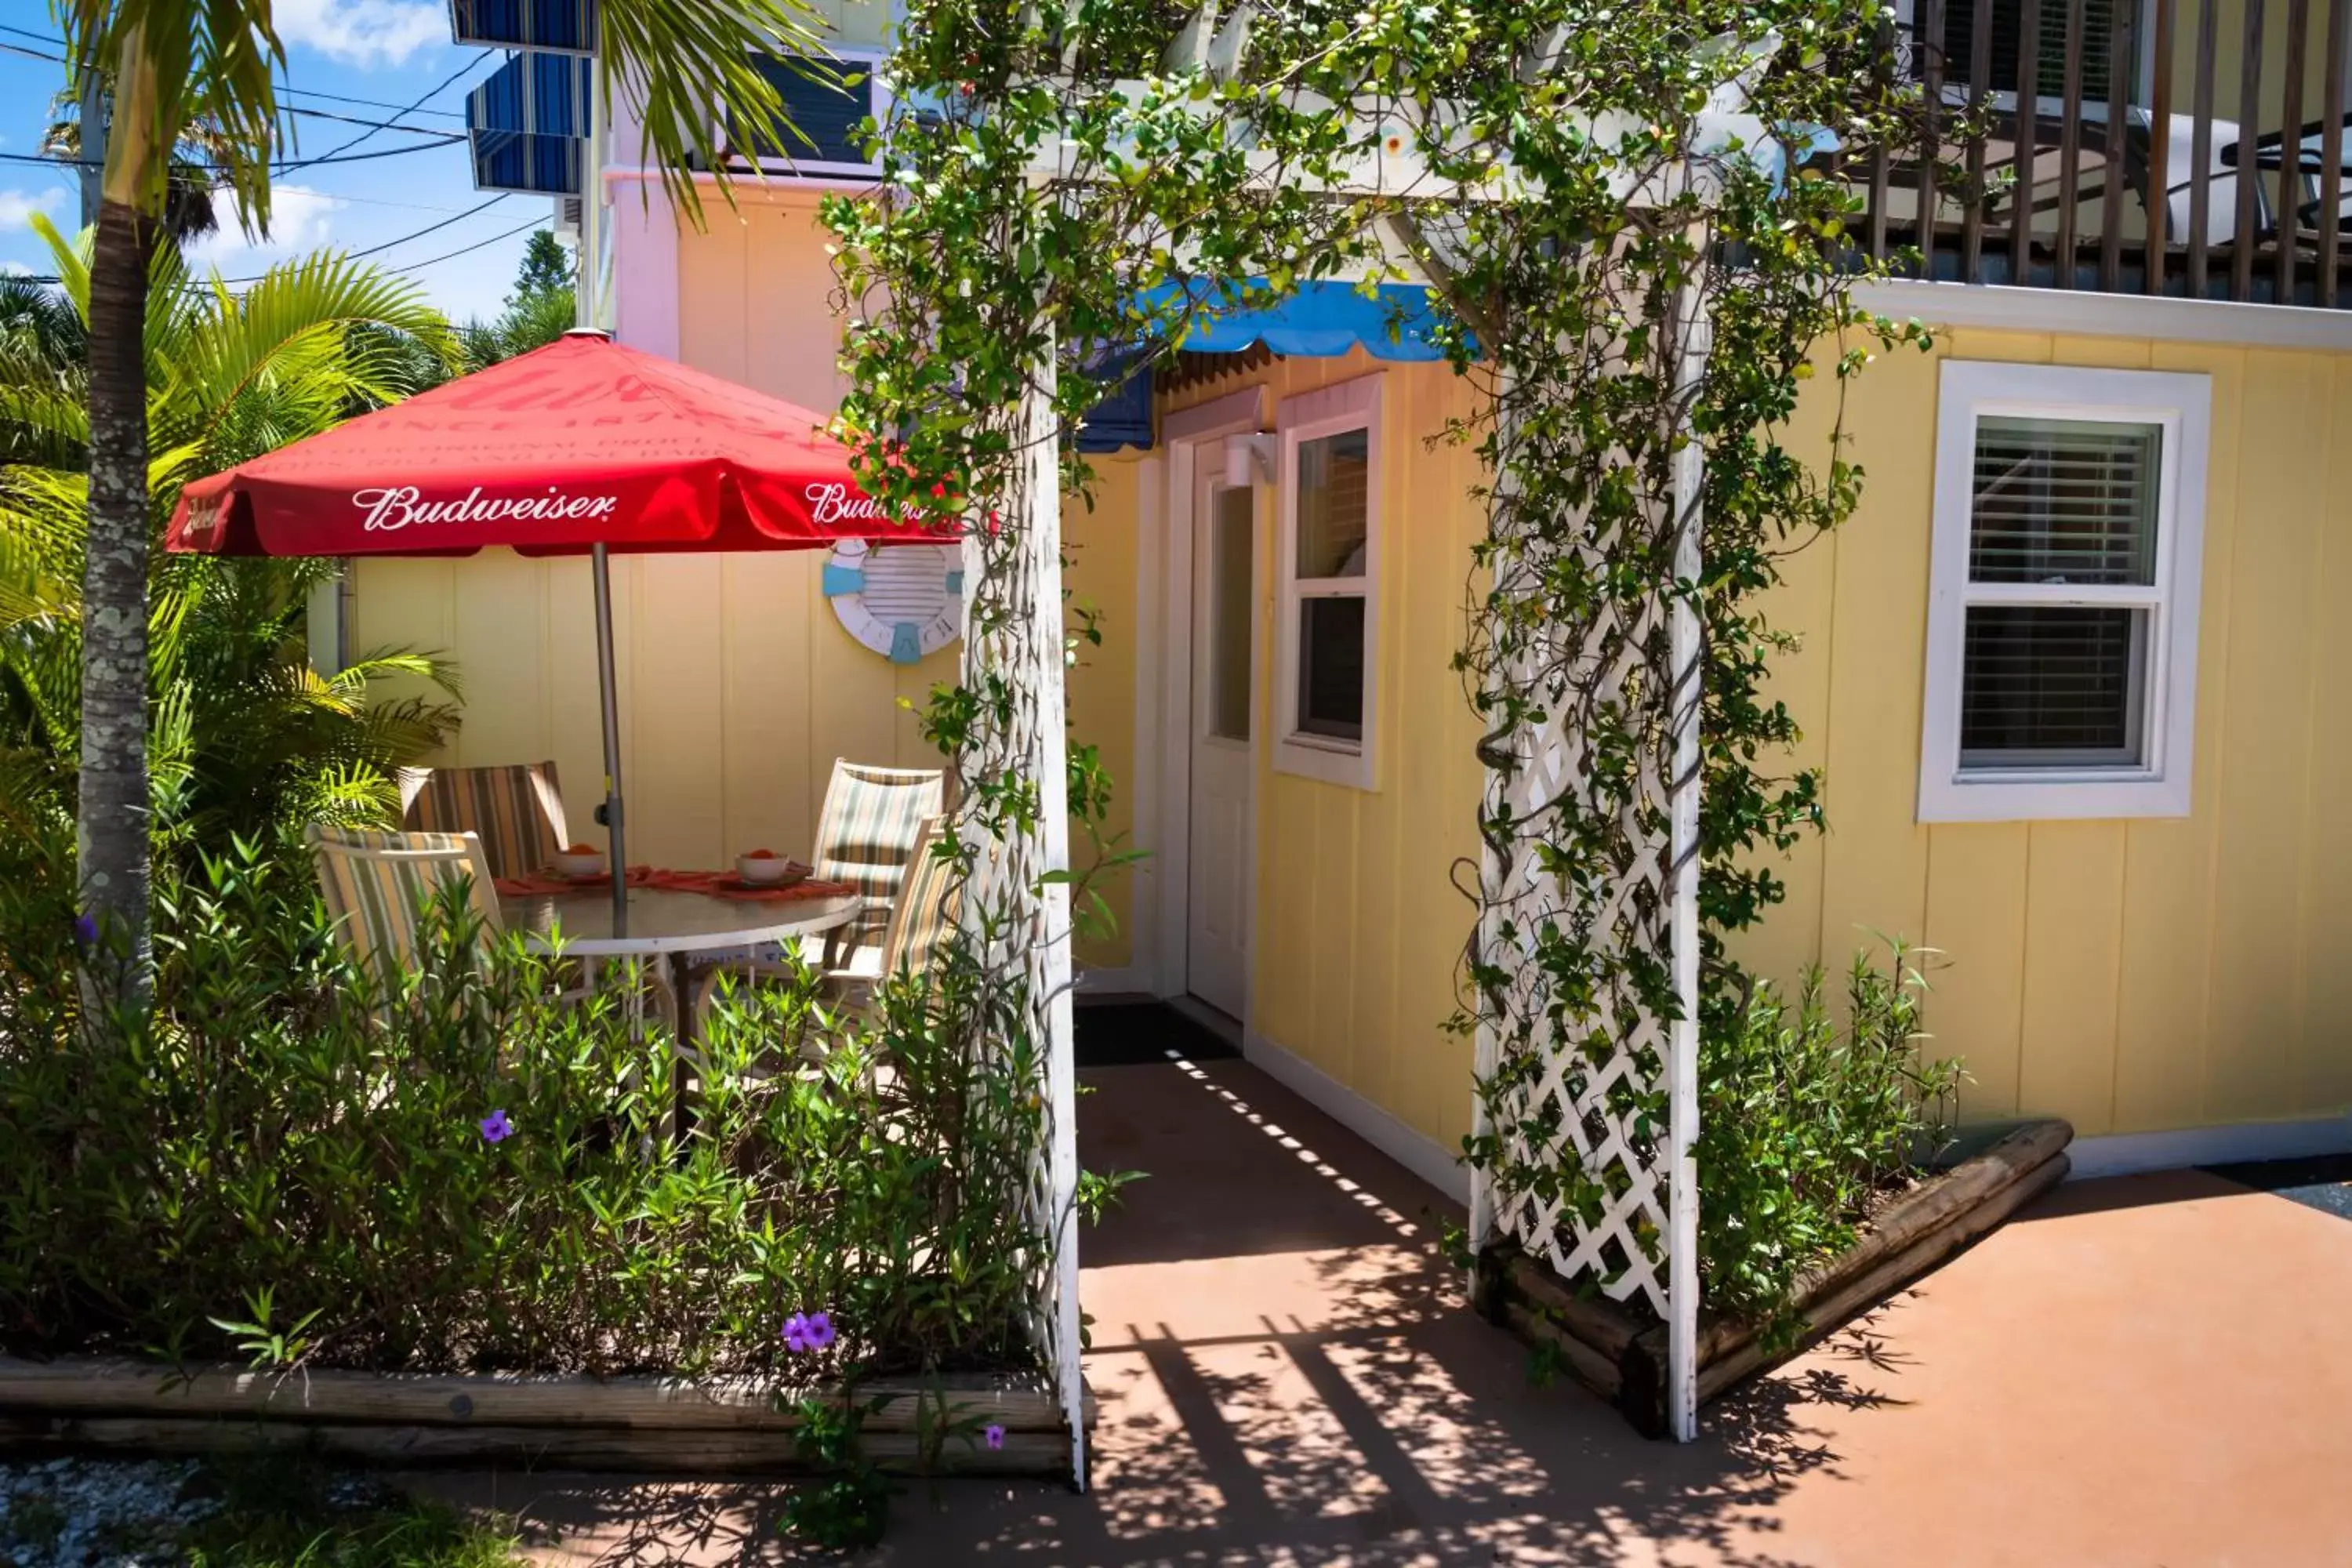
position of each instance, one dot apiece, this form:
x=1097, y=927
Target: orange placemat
x=727, y=885
x=544, y=884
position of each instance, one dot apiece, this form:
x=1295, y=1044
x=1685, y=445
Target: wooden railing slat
x=2331, y=145
x=2290, y=202
x=2247, y=235
x=1980, y=76
x=1878, y=159
x=2070, y=145
x=2200, y=152
x=2158, y=199
x=1931, y=157
x=2115, y=174
x=2029, y=138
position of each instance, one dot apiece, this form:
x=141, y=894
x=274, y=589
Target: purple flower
x=994, y=1435
x=495, y=1127
x=85, y=929
x=808, y=1332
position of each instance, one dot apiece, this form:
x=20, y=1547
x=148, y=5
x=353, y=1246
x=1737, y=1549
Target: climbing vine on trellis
x=1071, y=184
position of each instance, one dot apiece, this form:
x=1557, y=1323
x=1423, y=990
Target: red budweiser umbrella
x=581, y=446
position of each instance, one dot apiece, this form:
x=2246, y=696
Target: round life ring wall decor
x=903, y=601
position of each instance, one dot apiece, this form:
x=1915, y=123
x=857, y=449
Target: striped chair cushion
x=926, y=907
x=865, y=834
x=377, y=885
x=516, y=811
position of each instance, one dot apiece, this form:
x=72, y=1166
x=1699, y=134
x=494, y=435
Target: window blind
x=2064, y=500
x=2008, y=33
x=2048, y=684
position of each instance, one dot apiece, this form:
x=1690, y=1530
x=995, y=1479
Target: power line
x=478, y=245
x=337, y=155
x=283, y=91
x=283, y=167
x=310, y=113
x=431, y=229
x=402, y=267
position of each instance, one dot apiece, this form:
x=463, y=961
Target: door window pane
x=2047, y=685
x=1334, y=479
x=1230, y=613
x=1331, y=668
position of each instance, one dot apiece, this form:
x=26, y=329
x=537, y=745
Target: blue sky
x=392, y=52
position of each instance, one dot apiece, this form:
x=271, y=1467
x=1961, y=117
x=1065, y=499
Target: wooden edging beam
x=1623, y=1358
x=655, y=1424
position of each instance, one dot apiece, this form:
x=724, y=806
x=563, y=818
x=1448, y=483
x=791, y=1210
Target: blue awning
x=529, y=121
x=1321, y=321
x=566, y=25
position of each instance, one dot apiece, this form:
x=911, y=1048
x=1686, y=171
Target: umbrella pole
x=618, y=859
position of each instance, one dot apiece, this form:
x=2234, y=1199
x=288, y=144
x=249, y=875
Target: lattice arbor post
x=1587, y=950
x=1015, y=911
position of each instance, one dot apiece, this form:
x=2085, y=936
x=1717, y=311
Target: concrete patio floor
x=2142, y=1371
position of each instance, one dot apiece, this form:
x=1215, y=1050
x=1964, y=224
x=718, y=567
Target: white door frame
x=1164, y=697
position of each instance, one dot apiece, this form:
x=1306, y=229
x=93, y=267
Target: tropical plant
x=248, y=739
x=685, y=67
x=544, y=306
x=287, y=1159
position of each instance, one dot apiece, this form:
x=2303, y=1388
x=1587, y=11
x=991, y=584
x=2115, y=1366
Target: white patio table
x=672, y=930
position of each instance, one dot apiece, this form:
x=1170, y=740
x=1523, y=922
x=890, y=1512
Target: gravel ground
x=127, y=1513
x=83, y=1513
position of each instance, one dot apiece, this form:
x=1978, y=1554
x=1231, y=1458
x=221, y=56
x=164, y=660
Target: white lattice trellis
x=1604, y=1077
x=1015, y=913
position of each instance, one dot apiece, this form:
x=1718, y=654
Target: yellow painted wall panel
x=1875, y=855
x=2073, y=919
x=1976, y=1004
x=675, y=816
x=2325, y=912
x=2165, y=999
x=2257, y=1013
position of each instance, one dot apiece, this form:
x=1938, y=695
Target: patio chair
x=865, y=836
x=377, y=887
x=516, y=810
x=920, y=920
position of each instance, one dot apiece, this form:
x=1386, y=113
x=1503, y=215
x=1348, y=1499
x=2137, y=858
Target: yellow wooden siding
x=1358, y=926
x=738, y=685
x=2132, y=976
x=2129, y=975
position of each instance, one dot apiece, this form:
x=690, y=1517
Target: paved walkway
x=2151, y=1370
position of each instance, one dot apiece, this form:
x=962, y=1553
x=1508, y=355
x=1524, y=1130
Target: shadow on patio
x=1287, y=1374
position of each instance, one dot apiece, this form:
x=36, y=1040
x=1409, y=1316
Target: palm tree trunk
x=112, y=821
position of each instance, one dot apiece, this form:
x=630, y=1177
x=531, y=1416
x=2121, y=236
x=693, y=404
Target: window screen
x=2058, y=504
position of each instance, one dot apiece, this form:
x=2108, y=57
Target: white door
x=1224, y=555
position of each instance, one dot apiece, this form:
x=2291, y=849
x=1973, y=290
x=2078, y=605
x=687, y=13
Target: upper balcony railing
x=2190, y=148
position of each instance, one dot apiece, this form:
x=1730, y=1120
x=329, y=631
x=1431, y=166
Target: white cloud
x=300, y=220
x=362, y=32
x=16, y=269
x=17, y=207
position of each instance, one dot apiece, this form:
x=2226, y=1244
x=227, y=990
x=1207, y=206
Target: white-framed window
x=1328, y=566
x=2062, y=615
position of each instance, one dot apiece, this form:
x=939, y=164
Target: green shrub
x=281, y=1164
x=1805, y=1128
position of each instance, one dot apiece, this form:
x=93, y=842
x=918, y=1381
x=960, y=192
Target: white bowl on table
x=768, y=871
x=579, y=864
